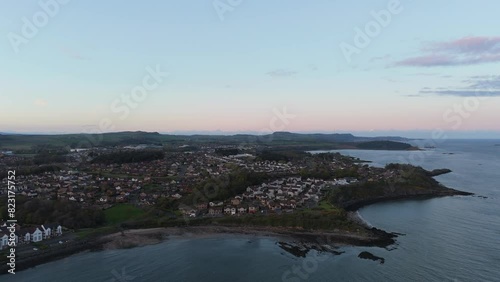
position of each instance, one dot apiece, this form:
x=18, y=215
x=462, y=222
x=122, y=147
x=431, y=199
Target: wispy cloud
x=428, y=61
x=491, y=82
x=471, y=44
x=461, y=93
x=476, y=86
x=463, y=51
x=281, y=73
x=423, y=74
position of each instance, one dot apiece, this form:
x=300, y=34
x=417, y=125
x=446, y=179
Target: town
x=70, y=199
x=174, y=176
x=98, y=179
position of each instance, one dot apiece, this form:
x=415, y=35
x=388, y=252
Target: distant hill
x=384, y=145
x=284, y=140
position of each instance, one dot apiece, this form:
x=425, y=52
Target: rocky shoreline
x=356, y=205
x=303, y=240
x=293, y=239
x=141, y=237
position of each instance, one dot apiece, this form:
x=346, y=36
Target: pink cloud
x=471, y=44
x=428, y=61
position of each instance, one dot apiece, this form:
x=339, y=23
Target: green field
x=121, y=213
x=324, y=205
x=152, y=187
x=90, y=232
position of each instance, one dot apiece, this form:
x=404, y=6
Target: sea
x=441, y=239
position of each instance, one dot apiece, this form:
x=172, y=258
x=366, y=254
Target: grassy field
x=121, y=213
x=89, y=232
x=152, y=188
x=324, y=205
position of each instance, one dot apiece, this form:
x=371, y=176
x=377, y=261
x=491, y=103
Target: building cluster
x=6, y=153
x=27, y=235
x=141, y=183
x=278, y=196
x=175, y=176
x=248, y=161
x=82, y=187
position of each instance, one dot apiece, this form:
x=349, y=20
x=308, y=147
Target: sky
x=373, y=67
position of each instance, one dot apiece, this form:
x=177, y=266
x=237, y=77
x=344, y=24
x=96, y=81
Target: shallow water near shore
x=445, y=239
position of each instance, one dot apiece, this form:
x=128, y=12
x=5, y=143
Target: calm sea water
x=446, y=239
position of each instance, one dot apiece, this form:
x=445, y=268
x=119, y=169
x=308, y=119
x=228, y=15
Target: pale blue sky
x=230, y=73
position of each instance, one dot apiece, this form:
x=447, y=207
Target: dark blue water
x=446, y=239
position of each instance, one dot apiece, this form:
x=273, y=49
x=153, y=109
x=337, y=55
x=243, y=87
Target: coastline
x=356, y=205
x=320, y=240
x=134, y=237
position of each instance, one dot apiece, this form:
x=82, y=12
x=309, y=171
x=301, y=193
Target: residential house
x=51, y=230
x=202, y=206
x=188, y=211
x=36, y=234
x=215, y=211
x=216, y=204
x=25, y=235
x=57, y=229
x=4, y=239
x=252, y=209
x=235, y=202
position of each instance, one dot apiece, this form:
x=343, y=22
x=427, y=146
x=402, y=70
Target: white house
x=52, y=229
x=46, y=232
x=57, y=230
x=36, y=235
x=4, y=240
x=25, y=235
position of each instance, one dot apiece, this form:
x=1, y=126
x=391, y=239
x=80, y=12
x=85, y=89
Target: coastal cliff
x=409, y=182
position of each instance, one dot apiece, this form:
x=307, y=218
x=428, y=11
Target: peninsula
x=202, y=186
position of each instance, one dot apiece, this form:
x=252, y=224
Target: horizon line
x=256, y=133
